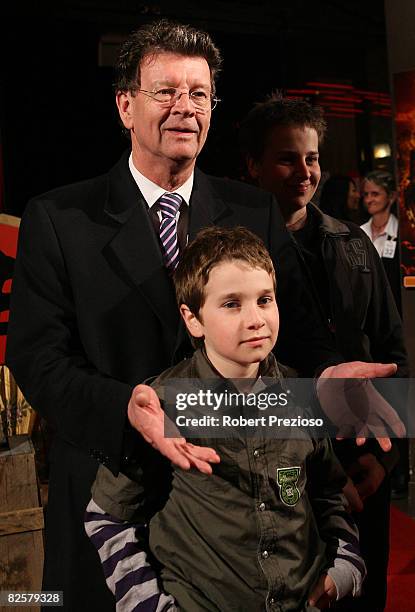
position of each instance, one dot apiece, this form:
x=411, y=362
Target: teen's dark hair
x=276, y=110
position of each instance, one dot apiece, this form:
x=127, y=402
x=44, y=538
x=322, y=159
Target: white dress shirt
x=389, y=233
x=152, y=192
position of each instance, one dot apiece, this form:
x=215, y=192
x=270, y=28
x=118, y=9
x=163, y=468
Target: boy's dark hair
x=382, y=178
x=163, y=37
x=212, y=246
x=277, y=110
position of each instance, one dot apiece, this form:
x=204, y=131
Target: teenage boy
x=237, y=539
x=281, y=139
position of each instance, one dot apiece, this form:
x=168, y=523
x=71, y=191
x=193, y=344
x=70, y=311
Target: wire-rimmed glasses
x=168, y=96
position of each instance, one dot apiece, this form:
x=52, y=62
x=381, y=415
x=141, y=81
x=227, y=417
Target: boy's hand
x=323, y=593
x=147, y=417
x=358, y=408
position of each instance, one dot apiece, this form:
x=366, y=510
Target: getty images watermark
x=289, y=408
x=224, y=403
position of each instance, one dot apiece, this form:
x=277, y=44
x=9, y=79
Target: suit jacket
x=93, y=313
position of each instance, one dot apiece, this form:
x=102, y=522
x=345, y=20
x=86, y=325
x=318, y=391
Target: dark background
x=58, y=119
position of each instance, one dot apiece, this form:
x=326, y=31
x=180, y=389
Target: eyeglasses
x=168, y=96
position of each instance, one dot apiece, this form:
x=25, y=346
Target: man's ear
x=124, y=101
x=194, y=326
x=253, y=167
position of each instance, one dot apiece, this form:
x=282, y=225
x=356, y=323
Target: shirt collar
x=268, y=368
x=152, y=192
x=391, y=228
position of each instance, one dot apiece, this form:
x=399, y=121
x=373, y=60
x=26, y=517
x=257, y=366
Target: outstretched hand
x=355, y=406
x=147, y=417
x=360, y=369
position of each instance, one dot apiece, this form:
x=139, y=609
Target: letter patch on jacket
x=287, y=479
x=356, y=254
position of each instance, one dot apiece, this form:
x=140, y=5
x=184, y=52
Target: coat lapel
x=134, y=248
x=206, y=208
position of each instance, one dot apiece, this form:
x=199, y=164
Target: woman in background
x=379, y=197
x=340, y=198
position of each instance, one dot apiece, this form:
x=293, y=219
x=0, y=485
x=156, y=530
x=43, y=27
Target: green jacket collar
x=268, y=368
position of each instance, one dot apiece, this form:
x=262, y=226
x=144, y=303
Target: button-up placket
x=264, y=499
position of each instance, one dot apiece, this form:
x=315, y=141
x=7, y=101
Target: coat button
x=261, y=507
x=265, y=554
x=257, y=453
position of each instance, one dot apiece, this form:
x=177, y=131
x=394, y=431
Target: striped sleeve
x=347, y=570
x=128, y=574
x=344, y=563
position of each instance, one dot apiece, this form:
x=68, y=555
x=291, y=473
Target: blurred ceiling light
x=381, y=150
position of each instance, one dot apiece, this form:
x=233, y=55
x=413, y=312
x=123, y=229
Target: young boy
x=233, y=540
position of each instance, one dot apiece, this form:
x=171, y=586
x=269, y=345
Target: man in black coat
x=93, y=310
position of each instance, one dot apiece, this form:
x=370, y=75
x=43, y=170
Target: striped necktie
x=169, y=204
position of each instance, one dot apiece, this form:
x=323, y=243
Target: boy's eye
x=266, y=299
x=285, y=159
x=231, y=304
x=312, y=159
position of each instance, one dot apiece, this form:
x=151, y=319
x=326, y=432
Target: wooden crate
x=21, y=521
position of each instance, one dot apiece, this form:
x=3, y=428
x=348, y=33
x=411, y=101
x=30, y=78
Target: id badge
x=389, y=249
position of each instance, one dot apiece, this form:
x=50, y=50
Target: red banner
x=9, y=229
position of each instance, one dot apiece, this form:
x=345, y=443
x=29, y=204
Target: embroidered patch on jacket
x=287, y=479
x=356, y=254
